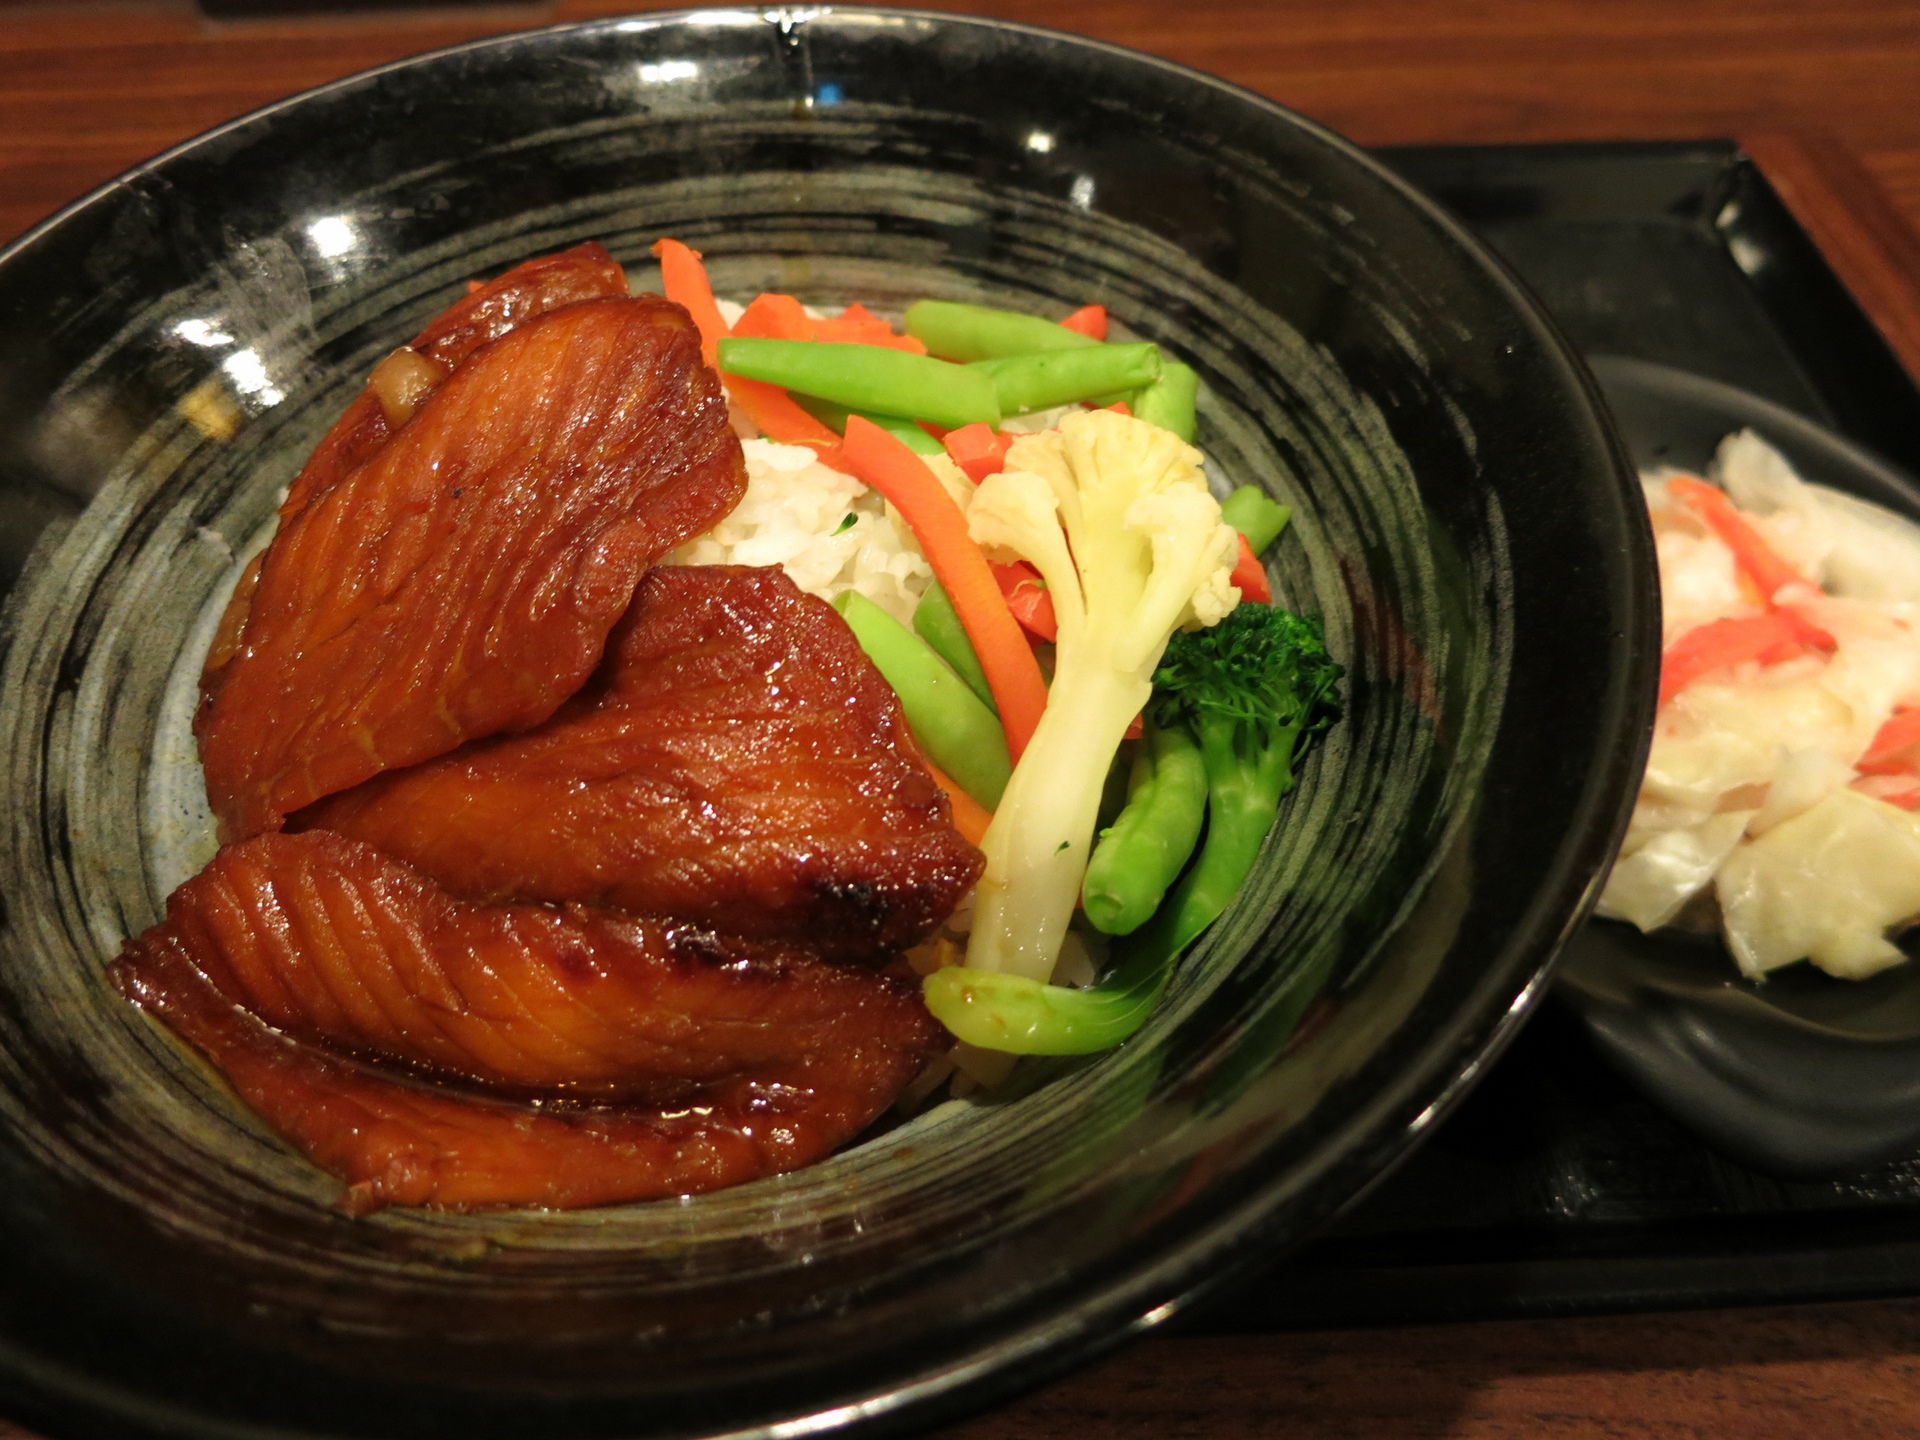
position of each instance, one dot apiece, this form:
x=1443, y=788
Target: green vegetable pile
x=1235, y=708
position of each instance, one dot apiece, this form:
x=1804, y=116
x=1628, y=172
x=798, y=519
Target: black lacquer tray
x=1557, y=1188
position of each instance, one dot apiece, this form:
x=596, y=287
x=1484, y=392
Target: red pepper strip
x=1028, y=599
x=1769, y=638
x=1250, y=575
x=1893, y=751
x=1136, y=729
x=1088, y=320
x=977, y=450
x=1904, y=799
x=684, y=279
x=885, y=463
x=1751, y=553
x=857, y=325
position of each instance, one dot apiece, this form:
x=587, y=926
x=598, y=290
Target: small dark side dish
x=1803, y=1075
x=1466, y=523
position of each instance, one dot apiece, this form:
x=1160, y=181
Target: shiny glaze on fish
x=548, y=282
x=461, y=581
x=394, y=1141
x=334, y=943
x=737, y=761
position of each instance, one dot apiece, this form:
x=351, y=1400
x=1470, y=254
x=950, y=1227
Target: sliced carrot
x=775, y=317
x=777, y=414
x=1769, y=639
x=1013, y=675
x=977, y=450
x=1028, y=599
x=1750, y=552
x=970, y=817
x=780, y=418
x=1250, y=575
x=1896, y=748
x=1119, y=407
x=473, y=285
x=684, y=279
x=1088, y=320
x=857, y=325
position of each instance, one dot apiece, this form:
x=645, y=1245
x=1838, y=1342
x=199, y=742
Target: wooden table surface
x=1827, y=95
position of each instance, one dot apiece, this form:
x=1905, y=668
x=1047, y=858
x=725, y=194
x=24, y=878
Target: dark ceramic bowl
x=1802, y=1075
x=1466, y=524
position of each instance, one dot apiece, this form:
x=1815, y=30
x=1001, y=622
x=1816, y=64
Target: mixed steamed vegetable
x=1098, y=627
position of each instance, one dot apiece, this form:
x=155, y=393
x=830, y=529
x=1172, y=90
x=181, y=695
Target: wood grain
x=1802, y=1373
x=1852, y=219
x=90, y=87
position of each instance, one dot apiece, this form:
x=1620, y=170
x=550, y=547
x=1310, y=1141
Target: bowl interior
x=1463, y=523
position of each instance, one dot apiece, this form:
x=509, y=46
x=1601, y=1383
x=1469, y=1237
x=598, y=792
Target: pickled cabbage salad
x=1782, y=795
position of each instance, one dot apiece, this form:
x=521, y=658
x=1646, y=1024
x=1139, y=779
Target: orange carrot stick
x=1088, y=320
x=684, y=279
x=1013, y=675
x=773, y=316
x=970, y=817
x=777, y=415
x=1751, y=553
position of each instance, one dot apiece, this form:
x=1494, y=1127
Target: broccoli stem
x=1025, y=383
x=978, y=332
x=1243, y=797
x=1168, y=402
x=1029, y=1017
x=1153, y=837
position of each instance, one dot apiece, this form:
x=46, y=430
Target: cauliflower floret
x=1116, y=516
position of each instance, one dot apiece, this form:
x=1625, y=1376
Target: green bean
x=1256, y=515
x=1141, y=855
x=959, y=734
x=867, y=378
x=834, y=417
x=1168, y=402
x=938, y=623
x=976, y=332
x=1026, y=383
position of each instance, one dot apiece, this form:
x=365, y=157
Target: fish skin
x=737, y=762
x=461, y=582
x=395, y=1141
x=334, y=944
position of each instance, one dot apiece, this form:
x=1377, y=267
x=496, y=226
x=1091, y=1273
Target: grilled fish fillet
x=737, y=762
x=461, y=581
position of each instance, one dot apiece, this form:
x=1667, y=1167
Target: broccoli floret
x=1253, y=690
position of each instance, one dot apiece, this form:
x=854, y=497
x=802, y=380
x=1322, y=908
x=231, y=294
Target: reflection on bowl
x=1465, y=524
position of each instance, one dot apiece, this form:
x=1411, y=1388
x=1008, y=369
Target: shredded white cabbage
x=1753, y=791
